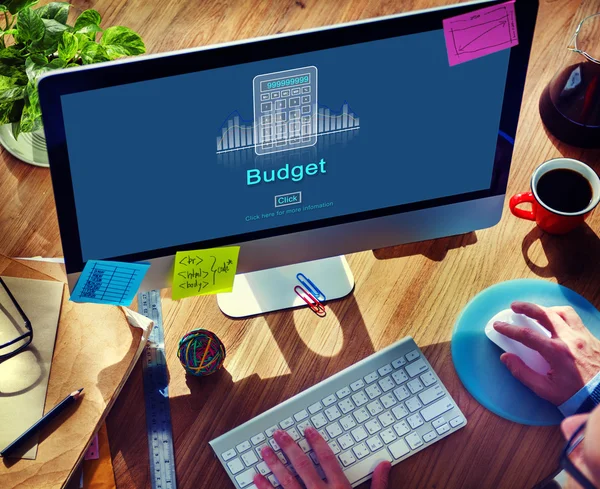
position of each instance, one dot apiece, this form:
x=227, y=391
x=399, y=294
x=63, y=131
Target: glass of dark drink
x=570, y=104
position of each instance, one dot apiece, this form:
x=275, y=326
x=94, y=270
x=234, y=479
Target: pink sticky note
x=481, y=32
x=93, y=452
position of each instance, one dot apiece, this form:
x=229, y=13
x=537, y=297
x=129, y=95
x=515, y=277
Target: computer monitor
x=296, y=147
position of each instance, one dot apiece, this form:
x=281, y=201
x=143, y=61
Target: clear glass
x=570, y=104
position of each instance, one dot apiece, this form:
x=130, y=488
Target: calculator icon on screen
x=285, y=110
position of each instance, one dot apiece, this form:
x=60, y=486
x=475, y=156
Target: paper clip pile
x=310, y=294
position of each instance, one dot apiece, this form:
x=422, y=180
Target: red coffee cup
x=552, y=220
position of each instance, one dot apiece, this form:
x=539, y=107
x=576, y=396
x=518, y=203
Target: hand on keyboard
x=306, y=470
x=572, y=352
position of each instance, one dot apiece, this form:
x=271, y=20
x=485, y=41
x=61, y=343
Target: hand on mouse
x=572, y=352
x=586, y=457
x=305, y=468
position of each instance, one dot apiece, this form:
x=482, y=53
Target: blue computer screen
x=282, y=141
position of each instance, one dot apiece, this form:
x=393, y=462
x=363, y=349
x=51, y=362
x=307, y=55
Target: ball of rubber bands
x=201, y=352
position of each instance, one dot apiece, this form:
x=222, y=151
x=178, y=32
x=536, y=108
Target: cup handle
x=521, y=198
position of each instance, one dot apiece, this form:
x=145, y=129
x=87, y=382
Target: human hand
x=305, y=468
x=572, y=352
x=586, y=457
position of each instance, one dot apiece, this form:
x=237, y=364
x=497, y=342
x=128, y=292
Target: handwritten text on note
x=203, y=272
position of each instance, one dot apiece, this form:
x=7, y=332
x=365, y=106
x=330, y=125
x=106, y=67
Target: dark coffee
x=564, y=190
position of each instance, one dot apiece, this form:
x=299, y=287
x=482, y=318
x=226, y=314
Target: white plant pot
x=30, y=147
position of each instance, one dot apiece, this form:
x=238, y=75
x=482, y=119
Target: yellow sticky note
x=203, y=272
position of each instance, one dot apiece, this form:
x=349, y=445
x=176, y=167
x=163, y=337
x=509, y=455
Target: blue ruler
x=156, y=396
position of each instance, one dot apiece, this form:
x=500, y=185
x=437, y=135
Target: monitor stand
x=273, y=289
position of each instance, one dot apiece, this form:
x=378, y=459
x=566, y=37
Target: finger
x=284, y=476
x=528, y=337
x=545, y=316
x=536, y=382
x=303, y=465
x=572, y=423
x=381, y=476
x=569, y=316
x=261, y=482
x=327, y=459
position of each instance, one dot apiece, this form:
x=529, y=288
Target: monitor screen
x=270, y=144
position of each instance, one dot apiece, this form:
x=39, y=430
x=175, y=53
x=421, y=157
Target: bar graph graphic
x=235, y=134
x=331, y=121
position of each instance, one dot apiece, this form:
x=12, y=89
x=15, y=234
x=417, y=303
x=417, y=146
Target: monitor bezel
x=54, y=85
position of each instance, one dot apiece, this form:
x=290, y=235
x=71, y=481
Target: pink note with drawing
x=480, y=32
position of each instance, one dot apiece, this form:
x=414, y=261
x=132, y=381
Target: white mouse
x=530, y=357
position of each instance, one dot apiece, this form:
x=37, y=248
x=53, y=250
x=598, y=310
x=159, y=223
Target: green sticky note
x=203, y=272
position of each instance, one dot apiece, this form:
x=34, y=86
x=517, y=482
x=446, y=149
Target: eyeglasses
x=568, y=465
x=20, y=343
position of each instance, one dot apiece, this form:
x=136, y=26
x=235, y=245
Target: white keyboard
x=388, y=406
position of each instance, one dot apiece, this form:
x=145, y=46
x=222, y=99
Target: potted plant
x=36, y=41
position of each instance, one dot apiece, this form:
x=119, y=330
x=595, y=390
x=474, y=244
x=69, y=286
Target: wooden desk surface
x=417, y=289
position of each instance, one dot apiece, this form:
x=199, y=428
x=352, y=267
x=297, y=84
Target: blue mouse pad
x=477, y=359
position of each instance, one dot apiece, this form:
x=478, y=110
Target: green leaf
x=31, y=120
x=5, y=110
x=12, y=94
x=36, y=66
x=58, y=11
x=15, y=6
x=31, y=26
x=67, y=46
x=6, y=82
x=122, y=41
x=12, y=56
x=54, y=31
x=16, y=129
x=87, y=17
x=89, y=32
x=93, y=53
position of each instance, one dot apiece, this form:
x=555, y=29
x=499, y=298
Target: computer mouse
x=530, y=357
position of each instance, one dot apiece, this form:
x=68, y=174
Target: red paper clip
x=311, y=300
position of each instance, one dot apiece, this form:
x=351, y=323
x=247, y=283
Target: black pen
x=49, y=416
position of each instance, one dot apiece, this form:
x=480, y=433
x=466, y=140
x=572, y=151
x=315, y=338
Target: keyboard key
x=400, y=411
x=347, y=458
x=386, y=419
x=259, y=449
x=235, y=466
x=242, y=447
x=345, y=441
x=360, y=398
x=285, y=93
x=229, y=454
x=373, y=426
x=302, y=426
x=373, y=391
x=274, y=445
x=359, y=433
x=413, y=404
x=416, y=368
x=386, y=384
x=343, y=392
x=401, y=428
x=249, y=458
x=415, y=386
x=388, y=400
x=306, y=99
x=263, y=468
x=374, y=443
x=333, y=413
x=456, y=421
x=388, y=436
x=401, y=393
x=443, y=429
x=319, y=420
x=275, y=94
x=293, y=432
x=324, y=435
x=438, y=422
x=335, y=448
x=415, y=421
x=256, y=439
x=437, y=408
x=375, y=408
x=399, y=449
x=281, y=458
x=301, y=415
x=347, y=423
x=414, y=440
x=315, y=408
x=400, y=376
x=428, y=378
x=431, y=394
x=359, y=384
x=305, y=89
x=279, y=104
x=304, y=445
x=264, y=96
x=246, y=478
x=427, y=437
x=334, y=430
x=412, y=355
x=273, y=480
x=372, y=377
x=295, y=91
x=346, y=406
x=286, y=423
x=329, y=400
x=361, y=415
x=398, y=362
x=266, y=106
x=361, y=450
x=366, y=466
x=386, y=369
